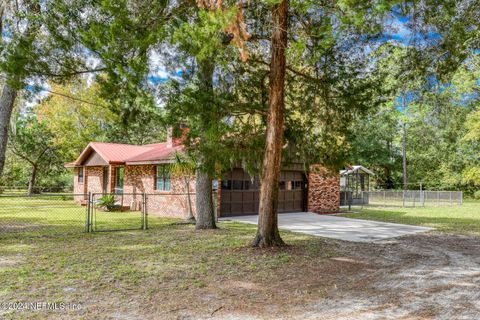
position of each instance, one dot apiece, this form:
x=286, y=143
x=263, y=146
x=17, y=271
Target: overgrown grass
x=463, y=219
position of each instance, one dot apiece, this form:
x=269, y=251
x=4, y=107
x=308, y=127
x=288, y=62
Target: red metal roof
x=160, y=152
x=115, y=153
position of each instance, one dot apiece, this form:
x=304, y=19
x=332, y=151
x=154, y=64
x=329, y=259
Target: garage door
x=240, y=193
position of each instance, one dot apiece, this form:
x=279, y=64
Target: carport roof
x=354, y=169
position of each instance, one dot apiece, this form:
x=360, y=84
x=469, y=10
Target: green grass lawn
x=45, y=256
x=172, y=271
x=463, y=219
x=163, y=271
x=57, y=214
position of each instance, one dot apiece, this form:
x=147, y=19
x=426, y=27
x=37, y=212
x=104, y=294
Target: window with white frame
x=162, y=177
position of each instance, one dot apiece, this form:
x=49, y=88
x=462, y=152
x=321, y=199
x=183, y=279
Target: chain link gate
x=116, y=212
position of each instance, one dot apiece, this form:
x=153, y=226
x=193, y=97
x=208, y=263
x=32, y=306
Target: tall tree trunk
x=204, y=201
x=9, y=94
x=31, y=182
x=203, y=191
x=267, y=232
x=404, y=156
x=190, y=216
x=7, y=101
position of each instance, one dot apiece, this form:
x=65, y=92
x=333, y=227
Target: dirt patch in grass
x=174, y=272
x=425, y=276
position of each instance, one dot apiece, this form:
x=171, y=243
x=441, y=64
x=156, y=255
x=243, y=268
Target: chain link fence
x=412, y=198
x=115, y=212
x=62, y=214
x=44, y=214
x=23, y=190
x=48, y=214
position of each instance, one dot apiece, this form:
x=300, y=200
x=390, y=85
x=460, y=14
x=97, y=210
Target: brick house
x=130, y=170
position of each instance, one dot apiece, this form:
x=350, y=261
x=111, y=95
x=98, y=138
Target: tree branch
x=73, y=73
x=17, y=153
x=292, y=70
x=69, y=97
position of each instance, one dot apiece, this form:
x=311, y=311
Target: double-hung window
x=162, y=178
x=119, y=171
x=80, y=175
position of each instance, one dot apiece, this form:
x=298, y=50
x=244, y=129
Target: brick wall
x=94, y=179
x=92, y=182
x=141, y=179
x=79, y=189
x=138, y=180
x=323, y=190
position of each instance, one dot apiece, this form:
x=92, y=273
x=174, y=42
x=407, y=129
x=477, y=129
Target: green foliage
x=32, y=143
x=340, y=88
x=121, y=35
x=75, y=115
x=476, y=195
x=205, y=37
x=442, y=146
x=472, y=175
x=374, y=144
x=182, y=166
x=107, y=202
x=31, y=140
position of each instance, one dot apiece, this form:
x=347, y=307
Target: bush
x=107, y=202
x=476, y=195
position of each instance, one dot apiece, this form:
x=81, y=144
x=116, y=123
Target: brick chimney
x=169, y=137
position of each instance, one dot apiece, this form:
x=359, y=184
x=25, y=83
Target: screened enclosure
x=354, y=181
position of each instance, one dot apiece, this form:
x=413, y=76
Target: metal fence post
x=92, y=211
x=88, y=220
x=142, y=212
x=145, y=213
x=87, y=214
x=350, y=197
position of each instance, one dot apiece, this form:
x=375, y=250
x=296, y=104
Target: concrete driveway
x=337, y=227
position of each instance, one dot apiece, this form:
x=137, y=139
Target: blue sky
x=396, y=31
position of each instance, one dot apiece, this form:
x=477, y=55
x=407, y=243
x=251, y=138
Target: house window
x=80, y=175
x=237, y=185
x=289, y=185
x=162, y=178
x=119, y=171
x=226, y=184
x=298, y=185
